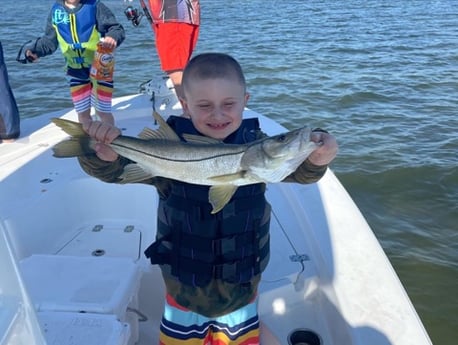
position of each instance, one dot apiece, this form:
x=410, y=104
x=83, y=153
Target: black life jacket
x=195, y=246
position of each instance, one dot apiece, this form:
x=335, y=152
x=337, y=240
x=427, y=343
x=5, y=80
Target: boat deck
x=327, y=271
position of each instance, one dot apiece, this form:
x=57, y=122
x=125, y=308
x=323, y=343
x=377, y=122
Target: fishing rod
x=22, y=57
x=146, y=12
x=135, y=17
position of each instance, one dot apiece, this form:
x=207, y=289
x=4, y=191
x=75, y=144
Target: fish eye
x=282, y=137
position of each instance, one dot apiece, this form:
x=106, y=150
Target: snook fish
x=199, y=160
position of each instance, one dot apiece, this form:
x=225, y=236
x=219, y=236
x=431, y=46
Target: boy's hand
x=327, y=150
x=109, y=42
x=104, y=133
x=31, y=57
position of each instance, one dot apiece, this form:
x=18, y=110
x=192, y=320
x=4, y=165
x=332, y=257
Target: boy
x=211, y=287
x=76, y=26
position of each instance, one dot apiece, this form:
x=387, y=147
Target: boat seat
x=75, y=284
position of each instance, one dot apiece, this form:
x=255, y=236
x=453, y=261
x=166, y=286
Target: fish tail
x=73, y=147
x=75, y=129
x=77, y=145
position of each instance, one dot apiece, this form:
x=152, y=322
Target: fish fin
x=134, y=173
x=228, y=177
x=219, y=196
x=163, y=132
x=148, y=133
x=75, y=129
x=199, y=139
x=73, y=147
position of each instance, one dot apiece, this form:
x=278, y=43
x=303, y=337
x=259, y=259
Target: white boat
x=73, y=271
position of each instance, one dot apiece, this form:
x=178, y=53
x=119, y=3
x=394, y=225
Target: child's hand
x=109, y=42
x=327, y=150
x=31, y=57
x=104, y=133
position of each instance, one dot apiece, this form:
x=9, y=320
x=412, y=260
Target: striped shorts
x=180, y=326
x=86, y=92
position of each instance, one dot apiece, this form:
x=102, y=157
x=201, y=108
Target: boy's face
x=72, y=3
x=215, y=106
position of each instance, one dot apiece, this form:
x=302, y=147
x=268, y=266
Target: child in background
x=211, y=263
x=76, y=26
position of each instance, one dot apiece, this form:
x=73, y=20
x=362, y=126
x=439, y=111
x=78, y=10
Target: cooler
x=75, y=284
x=65, y=328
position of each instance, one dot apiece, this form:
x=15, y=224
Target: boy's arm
x=108, y=25
x=307, y=172
x=45, y=45
x=105, y=171
x=110, y=172
x=105, y=164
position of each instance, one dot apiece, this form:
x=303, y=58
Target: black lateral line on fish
x=179, y=160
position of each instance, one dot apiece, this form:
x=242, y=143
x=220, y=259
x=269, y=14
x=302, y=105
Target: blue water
x=382, y=76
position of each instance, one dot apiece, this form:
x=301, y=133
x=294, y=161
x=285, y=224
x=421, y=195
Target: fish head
x=274, y=158
x=287, y=145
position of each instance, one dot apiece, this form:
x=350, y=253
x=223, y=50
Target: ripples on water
x=381, y=75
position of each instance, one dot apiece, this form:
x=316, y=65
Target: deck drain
x=98, y=252
x=304, y=337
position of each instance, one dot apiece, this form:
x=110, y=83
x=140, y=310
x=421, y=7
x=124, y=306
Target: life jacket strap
x=78, y=60
x=76, y=46
x=202, y=211
x=198, y=273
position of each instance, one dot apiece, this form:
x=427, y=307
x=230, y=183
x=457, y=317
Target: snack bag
x=103, y=65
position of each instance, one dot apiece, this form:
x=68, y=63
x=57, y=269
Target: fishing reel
x=133, y=15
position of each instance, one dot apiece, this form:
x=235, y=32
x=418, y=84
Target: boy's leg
x=239, y=327
x=182, y=325
x=80, y=91
x=101, y=98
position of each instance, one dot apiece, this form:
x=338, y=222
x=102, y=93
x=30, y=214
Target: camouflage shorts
x=216, y=299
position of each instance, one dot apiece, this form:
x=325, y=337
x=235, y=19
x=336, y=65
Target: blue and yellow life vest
x=77, y=33
x=195, y=246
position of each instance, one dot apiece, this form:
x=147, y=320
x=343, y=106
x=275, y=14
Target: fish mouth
x=306, y=137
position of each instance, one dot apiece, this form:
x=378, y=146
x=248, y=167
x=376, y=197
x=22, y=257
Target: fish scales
x=194, y=163
x=200, y=160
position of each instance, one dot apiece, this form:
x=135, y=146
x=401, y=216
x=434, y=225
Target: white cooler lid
x=64, y=328
x=73, y=283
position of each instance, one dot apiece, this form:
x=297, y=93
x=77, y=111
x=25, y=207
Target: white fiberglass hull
x=327, y=271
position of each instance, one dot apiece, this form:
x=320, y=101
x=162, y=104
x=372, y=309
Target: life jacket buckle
x=224, y=245
x=226, y=272
x=76, y=46
x=78, y=59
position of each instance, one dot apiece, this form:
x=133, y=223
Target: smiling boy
x=211, y=263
